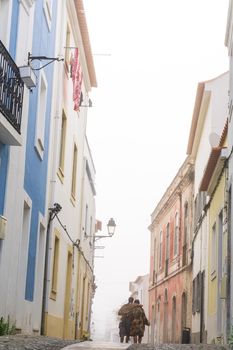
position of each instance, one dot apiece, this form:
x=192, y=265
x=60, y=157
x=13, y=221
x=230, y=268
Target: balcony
x=11, y=99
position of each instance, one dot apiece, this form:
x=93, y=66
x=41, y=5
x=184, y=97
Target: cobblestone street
x=22, y=342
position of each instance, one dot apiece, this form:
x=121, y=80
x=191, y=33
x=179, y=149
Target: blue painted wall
x=36, y=169
x=4, y=149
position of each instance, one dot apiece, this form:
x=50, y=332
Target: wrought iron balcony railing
x=11, y=89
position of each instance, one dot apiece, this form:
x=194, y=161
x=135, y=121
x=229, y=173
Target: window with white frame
x=155, y=255
x=176, y=235
x=160, y=248
x=5, y=10
x=214, y=251
x=41, y=115
x=62, y=144
x=90, y=232
x=74, y=172
x=86, y=220
x=185, y=223
x=67, y=49
x=55, y=266
x=167, y=241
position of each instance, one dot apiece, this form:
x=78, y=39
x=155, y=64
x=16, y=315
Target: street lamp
x=111, y=225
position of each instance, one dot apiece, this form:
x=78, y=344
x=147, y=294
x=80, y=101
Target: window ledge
x=60, y=175
x=39, y=148
x=53, y=294
x=73, y=200
x=213, y=275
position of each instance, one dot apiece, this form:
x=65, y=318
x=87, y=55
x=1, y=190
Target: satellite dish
x=214, y=139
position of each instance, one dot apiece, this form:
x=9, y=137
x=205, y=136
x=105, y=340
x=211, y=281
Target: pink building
x=170, y=299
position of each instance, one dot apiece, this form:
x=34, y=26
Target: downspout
x=228, y=287
x=77, y=307
x=182, y=251
x=54, y=148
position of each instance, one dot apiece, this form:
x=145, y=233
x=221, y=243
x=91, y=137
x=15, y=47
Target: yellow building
x=214, y=182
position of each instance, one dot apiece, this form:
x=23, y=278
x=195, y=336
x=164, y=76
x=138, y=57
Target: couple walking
x=133, y=321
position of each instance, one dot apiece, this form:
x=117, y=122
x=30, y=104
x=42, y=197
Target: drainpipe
x=53, y=147
x=52, y=214
x=228, y=288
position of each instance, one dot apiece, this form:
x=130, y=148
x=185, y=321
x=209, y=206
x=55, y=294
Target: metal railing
x=11, y=89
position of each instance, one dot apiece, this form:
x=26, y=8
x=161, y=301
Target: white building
x=229, y=44
x=69, y=284
x=139, y=290
x=209, y=118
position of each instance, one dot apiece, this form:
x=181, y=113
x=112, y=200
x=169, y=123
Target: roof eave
x=86, y=41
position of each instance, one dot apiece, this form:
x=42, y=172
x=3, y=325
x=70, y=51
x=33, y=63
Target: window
x=41, y=116
x=67, y=49
x=214, y=251
x=90, y=232
x=5, y=8
x=160, y=248
x=62, y=145
x=86, y=219
x=55, y=267
x=165, y=296
x=167, y=241
x=74, y=172
x=197, y=293
x=176, y=234
x=200, y=203
x=155, y=255
x=186, y=223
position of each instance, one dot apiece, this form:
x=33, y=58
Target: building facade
x=139, y=290
x=19, y=205
x=229, y=44
x=68, y=291
x=170, y=260
x=208, y=121
x=47, y=174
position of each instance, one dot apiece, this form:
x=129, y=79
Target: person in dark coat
x=138, y=322
x=125, y=322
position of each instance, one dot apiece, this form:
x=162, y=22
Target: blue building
x=26, y=80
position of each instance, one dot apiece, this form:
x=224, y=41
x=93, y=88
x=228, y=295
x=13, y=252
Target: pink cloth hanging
x=77, y=80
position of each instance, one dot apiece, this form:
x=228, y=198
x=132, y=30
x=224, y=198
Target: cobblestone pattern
x=178, y=347
x=22, y=342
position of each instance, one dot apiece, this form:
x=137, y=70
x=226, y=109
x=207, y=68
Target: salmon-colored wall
x=178, y=281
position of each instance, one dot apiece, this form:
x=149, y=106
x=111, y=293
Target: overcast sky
x=149, y=57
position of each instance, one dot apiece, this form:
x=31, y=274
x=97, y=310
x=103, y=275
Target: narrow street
x=24, y=342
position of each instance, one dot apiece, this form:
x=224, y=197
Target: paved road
x=97, y=346
x=87, y=345
x=24, y=342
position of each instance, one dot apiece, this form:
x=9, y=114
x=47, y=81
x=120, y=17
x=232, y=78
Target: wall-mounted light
x=28, y=76
x=111, y=226
x=81, y=102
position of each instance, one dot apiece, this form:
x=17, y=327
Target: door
x=67, y=332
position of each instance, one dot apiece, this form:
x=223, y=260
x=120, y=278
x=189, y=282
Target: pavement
x=28, y=342
x=95, y=345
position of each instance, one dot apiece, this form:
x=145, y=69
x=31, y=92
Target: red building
x=170, y=299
